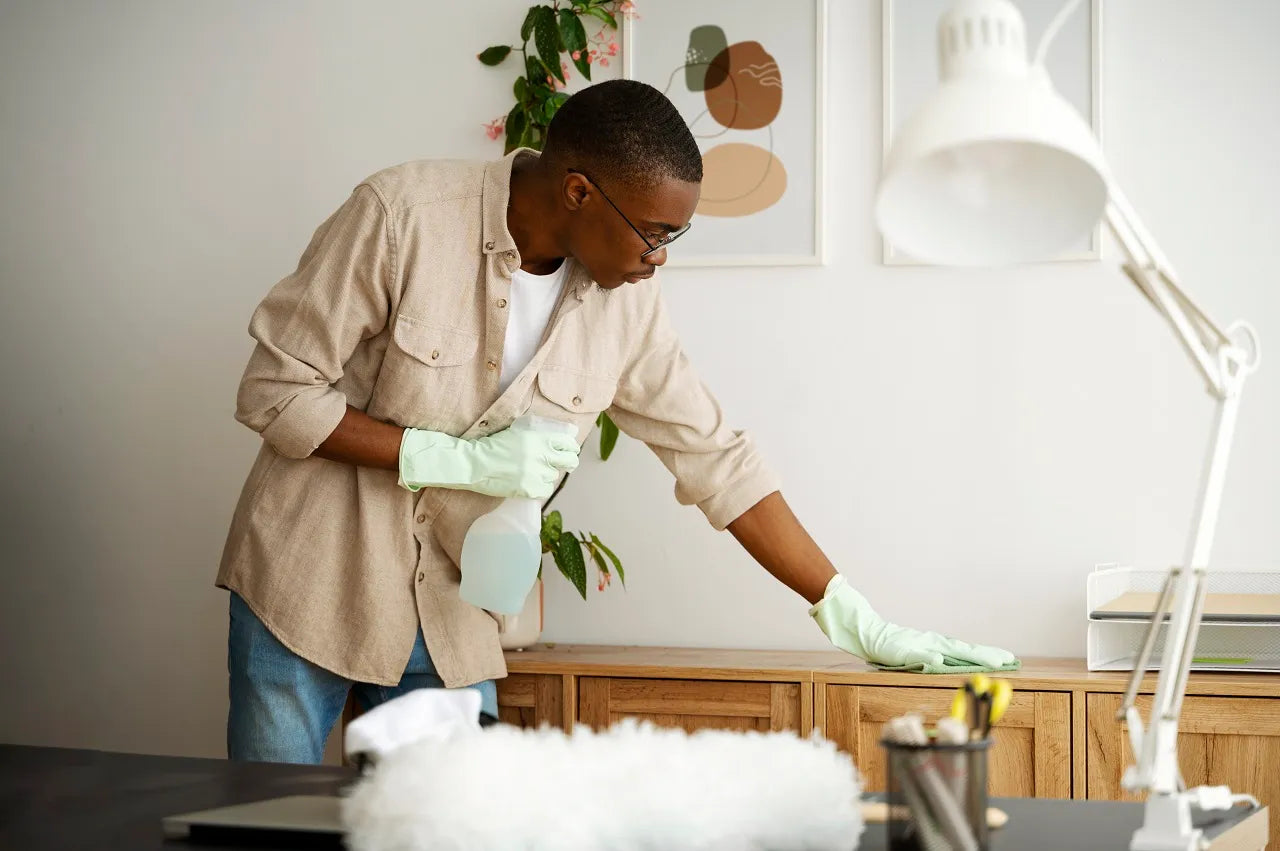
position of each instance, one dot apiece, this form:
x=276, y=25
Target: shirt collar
x=496, y=238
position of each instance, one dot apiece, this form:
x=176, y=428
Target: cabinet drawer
x=1031, y=756
x=696, y=704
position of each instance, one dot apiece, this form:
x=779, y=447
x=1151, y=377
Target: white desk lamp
x=997, y=168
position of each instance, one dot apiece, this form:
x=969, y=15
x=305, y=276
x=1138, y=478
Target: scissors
x=981, y=702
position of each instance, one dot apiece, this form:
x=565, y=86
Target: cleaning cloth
x=950, y=665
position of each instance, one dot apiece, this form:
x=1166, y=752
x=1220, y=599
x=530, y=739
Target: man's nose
x=659, y=257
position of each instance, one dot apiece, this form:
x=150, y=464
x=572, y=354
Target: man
x=439, y=303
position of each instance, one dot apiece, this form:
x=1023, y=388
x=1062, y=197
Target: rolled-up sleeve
x=662, y=402
x=311, y=322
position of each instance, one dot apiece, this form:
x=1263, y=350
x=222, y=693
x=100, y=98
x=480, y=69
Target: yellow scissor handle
x=1001, y=697
x=1001, y=694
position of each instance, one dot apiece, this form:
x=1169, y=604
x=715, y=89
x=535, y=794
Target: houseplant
x=581, y=32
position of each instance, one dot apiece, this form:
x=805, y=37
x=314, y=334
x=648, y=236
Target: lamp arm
x=1224, y=358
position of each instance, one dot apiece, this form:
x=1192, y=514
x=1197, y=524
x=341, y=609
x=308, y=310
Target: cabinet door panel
x=1030, y=757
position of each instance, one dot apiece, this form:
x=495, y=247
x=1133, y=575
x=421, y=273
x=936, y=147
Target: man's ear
x=575, y=190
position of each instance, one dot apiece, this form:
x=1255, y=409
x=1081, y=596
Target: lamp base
x=1167, y=825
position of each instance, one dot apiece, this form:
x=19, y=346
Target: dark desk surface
x=72, y=799
x=59, y=799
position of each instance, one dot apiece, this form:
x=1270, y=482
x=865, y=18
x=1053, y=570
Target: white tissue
x=422, y=714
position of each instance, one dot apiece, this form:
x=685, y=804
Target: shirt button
x=421, y=518
x=421, y=576
x=511, y=255
x=435, y=355
x=488, y=246
x=484, y=424
x=577, y=400
x=502, y=302
x=491, y=366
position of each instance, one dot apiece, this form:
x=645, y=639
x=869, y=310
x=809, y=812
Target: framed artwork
x=910, y=74
x=748, y=77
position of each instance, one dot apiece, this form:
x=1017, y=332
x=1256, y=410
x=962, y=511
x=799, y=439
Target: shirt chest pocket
x=573, y=396
x=428, y=376
x=435, y=345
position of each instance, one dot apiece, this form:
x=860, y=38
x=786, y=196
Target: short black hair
x=626, y=130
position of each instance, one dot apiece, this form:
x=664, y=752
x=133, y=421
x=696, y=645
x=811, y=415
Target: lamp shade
x=996, y=167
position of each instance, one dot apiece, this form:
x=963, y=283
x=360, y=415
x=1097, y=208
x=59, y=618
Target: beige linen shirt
x=398, y=307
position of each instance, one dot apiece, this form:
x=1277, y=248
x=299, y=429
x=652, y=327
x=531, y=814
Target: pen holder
x=937, y=795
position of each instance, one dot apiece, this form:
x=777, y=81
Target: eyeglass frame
x=662, y=243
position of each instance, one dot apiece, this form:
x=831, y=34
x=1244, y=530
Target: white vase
x=516, y=632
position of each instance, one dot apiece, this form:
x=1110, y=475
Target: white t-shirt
x=533, y=298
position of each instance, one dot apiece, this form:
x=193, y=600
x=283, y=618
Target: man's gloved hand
x=513, y=462
x=852, y=625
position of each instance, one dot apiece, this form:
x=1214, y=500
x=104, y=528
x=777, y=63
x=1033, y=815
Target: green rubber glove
x=853, y=626
x=514, y=462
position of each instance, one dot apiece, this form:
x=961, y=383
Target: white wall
x=964, y=445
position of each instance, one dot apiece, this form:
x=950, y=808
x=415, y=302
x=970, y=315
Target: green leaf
x=532, y=137
x=515, y=127
x=535, y=71
x=608, y=435
x=575, y=39
x=568, y=556
x=552, y=526
x=526, y=29
x=547, y=38
x=580, y=4
x=520, y=89
x=604, y=16
x=595, y=554
x=617, y=565
x=494, y=55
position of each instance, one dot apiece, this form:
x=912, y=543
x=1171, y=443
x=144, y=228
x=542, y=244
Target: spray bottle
x=502, y=550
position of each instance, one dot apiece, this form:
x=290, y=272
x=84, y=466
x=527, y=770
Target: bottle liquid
x=502, y=550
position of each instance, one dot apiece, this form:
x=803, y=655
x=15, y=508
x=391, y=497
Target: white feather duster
x=633, y=787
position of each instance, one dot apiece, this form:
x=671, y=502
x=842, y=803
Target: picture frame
x=762, y=193
x=909, y=72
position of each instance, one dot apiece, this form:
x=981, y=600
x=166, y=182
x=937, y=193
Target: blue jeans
x=283, y=707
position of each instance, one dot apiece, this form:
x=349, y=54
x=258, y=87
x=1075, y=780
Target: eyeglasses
x=653, y=246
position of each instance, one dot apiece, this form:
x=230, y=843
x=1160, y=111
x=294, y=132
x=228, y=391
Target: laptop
x=313, y=819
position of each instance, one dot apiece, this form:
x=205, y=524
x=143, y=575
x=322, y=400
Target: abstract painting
x=748, y=79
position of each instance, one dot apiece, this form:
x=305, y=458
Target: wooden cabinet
x=1031, y=756
x=1231, y=741
x=695, y=704
x=1059, y=738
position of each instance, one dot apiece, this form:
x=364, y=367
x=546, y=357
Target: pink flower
x=613, y=48
x=577, y=54
x=495, y=127
x=604, y=60
x=564, y=69
x=627, y=9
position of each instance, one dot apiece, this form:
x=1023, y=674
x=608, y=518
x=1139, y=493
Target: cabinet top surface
x=678, y=662
x=836, y=668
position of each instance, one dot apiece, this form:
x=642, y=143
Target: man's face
x=605, y=239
